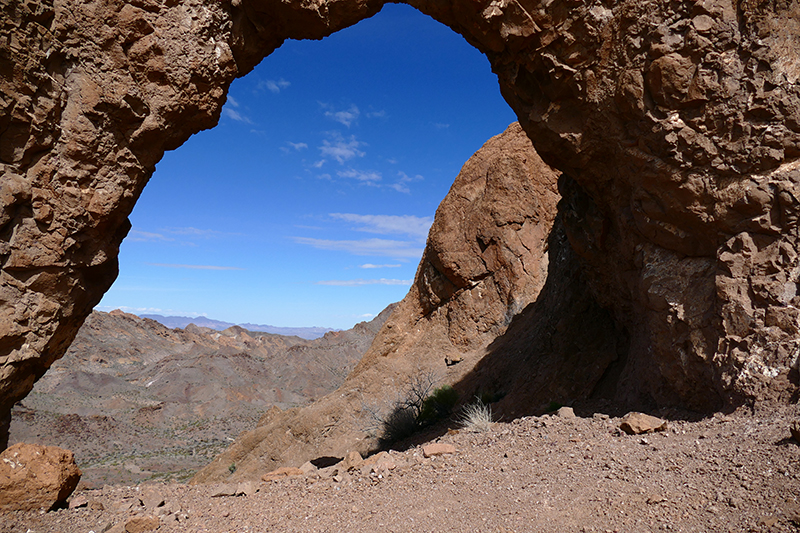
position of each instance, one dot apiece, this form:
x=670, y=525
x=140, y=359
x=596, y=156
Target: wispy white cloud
x=298, y=146
x=403, y=179
x=373, y=247
x=362, y=282
x=232, y=101
x=147, y=236
x=346, y=116
x=370, y=265
x=369, y=177
x=440, y=125
x=416, y=227
x=341, y=149
x=194, y=267
x=235, y=115
x=376, y=114
x=274, y=86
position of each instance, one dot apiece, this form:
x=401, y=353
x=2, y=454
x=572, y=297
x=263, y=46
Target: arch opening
x=326, y=167
x=315, y=191
x=670, y=155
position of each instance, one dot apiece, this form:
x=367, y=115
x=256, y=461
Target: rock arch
x=676, y=125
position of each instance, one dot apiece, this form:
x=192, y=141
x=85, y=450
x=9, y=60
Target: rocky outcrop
x=486, y=261
x=34, y=477
x=676, y=125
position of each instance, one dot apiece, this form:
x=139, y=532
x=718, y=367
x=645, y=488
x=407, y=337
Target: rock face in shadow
x=676, y=126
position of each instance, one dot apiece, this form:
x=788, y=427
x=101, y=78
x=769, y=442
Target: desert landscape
x=137, y=401
x=603, y=333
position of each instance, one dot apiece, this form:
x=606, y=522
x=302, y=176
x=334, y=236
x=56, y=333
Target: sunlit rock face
x=676, y=126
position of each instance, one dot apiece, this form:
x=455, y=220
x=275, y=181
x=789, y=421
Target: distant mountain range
x=135, y=400
x=203, y=322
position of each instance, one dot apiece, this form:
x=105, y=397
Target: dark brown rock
x=676, y=125
x=34, y=477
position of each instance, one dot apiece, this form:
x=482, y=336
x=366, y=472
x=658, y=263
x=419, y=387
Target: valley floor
x=738, y=472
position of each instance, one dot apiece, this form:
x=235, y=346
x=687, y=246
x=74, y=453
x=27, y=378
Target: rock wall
x=676, y=125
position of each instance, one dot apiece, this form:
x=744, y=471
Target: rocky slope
x=676, y=126
x=135, y=400
x=734, y=473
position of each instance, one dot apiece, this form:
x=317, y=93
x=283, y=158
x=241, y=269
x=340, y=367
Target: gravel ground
x=738, y=472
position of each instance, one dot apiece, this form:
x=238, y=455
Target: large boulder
x=676, y=126
x=34, y=477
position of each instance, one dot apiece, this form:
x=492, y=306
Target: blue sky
x=309, y=204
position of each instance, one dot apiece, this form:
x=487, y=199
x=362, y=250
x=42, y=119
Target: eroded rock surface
x=676, y=125
x=34, y=477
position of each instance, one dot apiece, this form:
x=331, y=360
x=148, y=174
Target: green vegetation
x=421, y=406
x=553, y=406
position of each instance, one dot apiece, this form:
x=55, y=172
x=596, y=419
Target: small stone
x=246, y=488
x=768, y=521
x=308, y=467
x=151, y=498
x=638, y=423
x=351, y=461
x=142, y=524
x=96, y=505
x=437, y=448
x=326, y=473
x=227, y=489
x=565, y=412
x=78, y=501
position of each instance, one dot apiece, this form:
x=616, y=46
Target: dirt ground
x=723, y=473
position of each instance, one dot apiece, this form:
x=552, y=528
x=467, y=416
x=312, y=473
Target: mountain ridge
x=172, y=321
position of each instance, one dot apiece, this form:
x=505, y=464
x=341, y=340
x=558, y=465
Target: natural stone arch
x=676, y=125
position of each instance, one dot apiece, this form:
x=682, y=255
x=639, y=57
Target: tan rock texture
x=34, y=477
x=676, y=126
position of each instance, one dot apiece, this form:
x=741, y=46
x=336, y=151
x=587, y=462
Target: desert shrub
x=476, y=417
x=421, y=405
x=486, y=397
x=438, y=405
x=399, y=424
x=553, y=406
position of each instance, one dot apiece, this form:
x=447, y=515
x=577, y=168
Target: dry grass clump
x=476, y=417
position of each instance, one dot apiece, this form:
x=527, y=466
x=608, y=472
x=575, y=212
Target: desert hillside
x=135, y=400
x=539, y=474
